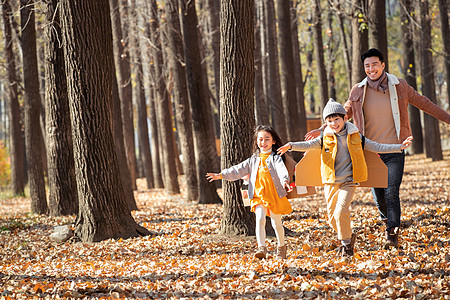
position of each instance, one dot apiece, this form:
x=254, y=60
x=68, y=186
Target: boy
x=343, y=166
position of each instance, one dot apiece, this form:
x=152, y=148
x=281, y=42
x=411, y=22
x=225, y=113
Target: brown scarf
x=381, y=84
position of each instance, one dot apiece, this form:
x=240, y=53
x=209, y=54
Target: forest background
x=166, y=91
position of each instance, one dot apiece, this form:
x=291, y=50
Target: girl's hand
x=288, y=187
x=283, y=149
x=213, y=176
x=406, y=142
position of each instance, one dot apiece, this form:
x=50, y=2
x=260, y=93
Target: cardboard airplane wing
x=307, y=171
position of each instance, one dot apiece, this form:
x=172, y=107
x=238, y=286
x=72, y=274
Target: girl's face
x=264, y=141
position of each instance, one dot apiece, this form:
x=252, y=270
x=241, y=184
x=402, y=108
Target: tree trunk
x=261, y=111
x=33, y=133
x=443, y=12
x=377, y=28
x=16, y=147
x=144, y=143
x=288, y=80
x=181, y=97
x=432, y=135
x=409, y=71
x=119, y=140
x=237, y=111
x=360, y=39
x=204, y=140
x=331, y=54
x=170, y=178
x=62, y=184
x=89, y=61
x=298, y=74
x=274, y=85
x=126, y=93
x=318, y=54
x=346, y=51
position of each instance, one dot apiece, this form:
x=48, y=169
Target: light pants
x=261, y=212
x=339, y=196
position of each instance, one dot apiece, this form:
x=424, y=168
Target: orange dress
x=265, y=192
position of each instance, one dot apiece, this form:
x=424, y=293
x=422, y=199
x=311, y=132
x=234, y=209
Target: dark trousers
x=388, y=199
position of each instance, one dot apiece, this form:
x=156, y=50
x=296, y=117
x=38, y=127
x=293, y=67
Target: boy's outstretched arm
x=407, y=142
x=283, y=149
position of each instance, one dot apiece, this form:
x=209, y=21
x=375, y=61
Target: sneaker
x=391, y=238
x=261, y=253
x=347, y=250
x=281, y=252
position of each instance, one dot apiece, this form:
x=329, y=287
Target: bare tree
x=62, y=185
x=409, y=71
x=432, y=135
x=288, y=80
x=360, y=38
x=181, y=97
x=89, y=60
x=237, y=111
x=204, y=140
x=170, y=177
x=443, y=12
x=17, y=147
x=33, y=133
x=318, y=53
x=377, y=28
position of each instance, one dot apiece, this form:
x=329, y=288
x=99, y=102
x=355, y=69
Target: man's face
x=373, y=67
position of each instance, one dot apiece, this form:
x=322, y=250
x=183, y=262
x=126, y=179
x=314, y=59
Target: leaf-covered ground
x=188, y=259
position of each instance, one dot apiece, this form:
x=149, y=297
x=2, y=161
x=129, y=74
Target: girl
x=268, y=182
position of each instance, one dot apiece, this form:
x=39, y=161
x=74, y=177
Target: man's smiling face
x=373, y=67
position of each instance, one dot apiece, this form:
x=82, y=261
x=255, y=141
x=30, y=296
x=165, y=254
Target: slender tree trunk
x=378, y=29
x=331, y=51
x=33, y=133
x=126, y=93
x=213, y=8
x=163, y=108
x=432, y=135
x=360, y=39
x=263, y=49
x=144, y=143
x=298, y=74
x=274, y=87
x=409, y=71
x=261, y=111
x=62, y=184
x=17, y=148
x=346, y=51
x=181, y=97
x=237, y=111
x=89, y=61
x=205, y=146
x=119, y=140
x=318, y=54
x=445, y=29
x=288, y=80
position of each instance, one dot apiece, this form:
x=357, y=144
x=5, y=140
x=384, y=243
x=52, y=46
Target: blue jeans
x=388, y=199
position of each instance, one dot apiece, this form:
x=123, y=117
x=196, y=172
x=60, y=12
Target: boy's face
x=336, y=123
x=264, y=140
x=373, y=67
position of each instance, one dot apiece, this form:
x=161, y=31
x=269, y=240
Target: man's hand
x=312, y=134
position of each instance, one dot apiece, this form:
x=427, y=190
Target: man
x=379, y=107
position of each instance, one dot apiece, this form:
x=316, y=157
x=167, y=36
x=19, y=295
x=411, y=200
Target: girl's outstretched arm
x=213, y=176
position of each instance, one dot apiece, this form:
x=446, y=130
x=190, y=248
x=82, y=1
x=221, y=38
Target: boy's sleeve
x=307, y=145
x=237, y=171
x=381, y=148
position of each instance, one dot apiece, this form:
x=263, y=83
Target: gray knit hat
x=333, y=107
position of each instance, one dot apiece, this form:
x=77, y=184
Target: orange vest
x=328, y=156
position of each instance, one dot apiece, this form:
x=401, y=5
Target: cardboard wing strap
x=307, y=171
x=299, y=190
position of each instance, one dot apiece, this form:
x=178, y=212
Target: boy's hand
x=283, y=149
x=213, y=176
x=288, y=187
x=406, y=142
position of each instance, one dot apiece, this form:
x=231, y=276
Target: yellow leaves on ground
x=188, y=259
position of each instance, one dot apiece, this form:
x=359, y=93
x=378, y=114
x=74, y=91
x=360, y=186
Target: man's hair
x=335, y=115
x=371, y=53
